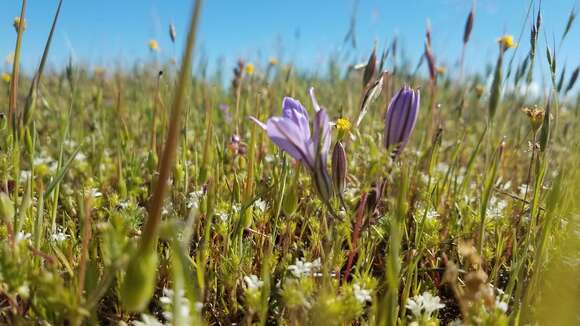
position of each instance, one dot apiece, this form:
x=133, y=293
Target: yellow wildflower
x=153, y=45
x=507, y=42
x=343, y=124
x=6, y=77
x=273, y=61
x=250, y=69
x=441, y=70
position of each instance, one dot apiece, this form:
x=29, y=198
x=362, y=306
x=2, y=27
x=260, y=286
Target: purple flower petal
x=286, y=134
x=294, y=110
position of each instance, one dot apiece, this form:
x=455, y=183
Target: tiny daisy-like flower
x=59, y=236
x=253, y=283
x=249, y=69
x=424, y=304
x=260, y=205
x=343, y=124
x=153, y=45
x=302, y=268
x=362, y=295
x=507, y=42
x=22, y=236
x=25, y=174
x=147, y=320
x=193, y=199
x=94, y=193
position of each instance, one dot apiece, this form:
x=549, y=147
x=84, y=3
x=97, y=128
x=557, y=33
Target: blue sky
x=305, y=32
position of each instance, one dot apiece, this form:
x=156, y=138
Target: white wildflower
x=59, y=236
x=147, y=320
x=456, y=322
x=500, y=305
x=362, y=295
x=95, y=193
x=25, y=174
x=223, y=216
x=424, y=304
x=124, y=204
x=269, y=158
x=171, y=306
x=301, y=268
x=253, y=283
x=22, y=236
x=442, y=167
x=432, y=214
x=81, y=157
x=495, y=207
x=260, y=205
x=193, y=199
x=523, y=189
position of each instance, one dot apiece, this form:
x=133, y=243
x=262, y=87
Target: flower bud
x=339, y=167
x=370, y=68
x=322, y=181
x=401, y=117
x=468, y=25
x=172, y=33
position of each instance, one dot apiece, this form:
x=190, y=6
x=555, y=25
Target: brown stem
x=356, y=233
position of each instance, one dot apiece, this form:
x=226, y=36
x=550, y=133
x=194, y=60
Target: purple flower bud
x=339, y=167
x=402, y=115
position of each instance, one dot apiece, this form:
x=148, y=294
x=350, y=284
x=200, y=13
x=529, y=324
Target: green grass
x=480, y=209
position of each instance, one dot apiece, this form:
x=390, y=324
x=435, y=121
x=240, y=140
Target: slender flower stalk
x=402, y=115
x=139, y=283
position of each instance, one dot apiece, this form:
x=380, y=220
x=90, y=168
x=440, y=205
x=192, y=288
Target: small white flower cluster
x=22, y=236
x=495, y=207
x=260, y=205
x=423, y=305
x=193, y=199
x=253, y=283
x=302, y=268
x=94, y=193
x=223, y=216
x=362, y=295
x=147, y=320
x=60, y=235
x=523, y=189
x=46, y=160
x=167, y=207
x=25, y=175
x=168, y=300
x=501, y=300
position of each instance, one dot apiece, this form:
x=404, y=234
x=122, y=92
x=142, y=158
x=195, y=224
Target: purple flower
x=401, y=118
x=291, y=132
